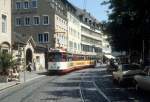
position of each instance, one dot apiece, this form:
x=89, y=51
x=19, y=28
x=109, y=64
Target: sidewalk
x=24, y=77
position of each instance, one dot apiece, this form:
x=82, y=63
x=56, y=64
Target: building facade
x=5, y=25
x=57, y=24
x=74, y=34
x=91, y=35
x=45, y=20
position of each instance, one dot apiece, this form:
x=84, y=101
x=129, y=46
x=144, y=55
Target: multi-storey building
x=57, y=24
x=5, y=25
x=91, y=35
x=74, y=32
x=106, y=47
x=44, y=20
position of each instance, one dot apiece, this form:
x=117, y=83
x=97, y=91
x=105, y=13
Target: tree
x=128, y=24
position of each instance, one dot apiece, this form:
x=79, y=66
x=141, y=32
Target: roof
x=109, y=56
x=86, y=14
x=19, y=39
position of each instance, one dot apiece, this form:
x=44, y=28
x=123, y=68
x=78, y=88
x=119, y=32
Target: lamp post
x=143, y=46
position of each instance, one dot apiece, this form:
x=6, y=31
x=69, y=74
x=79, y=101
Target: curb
x=34, y=78
x=9, y=86
x=18, y=83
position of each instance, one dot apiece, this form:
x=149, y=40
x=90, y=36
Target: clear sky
x=94, y=7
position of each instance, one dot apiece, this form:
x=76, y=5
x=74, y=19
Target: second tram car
x=62, y=62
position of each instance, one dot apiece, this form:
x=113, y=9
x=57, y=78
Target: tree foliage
x=128, y=24
x=6, y=60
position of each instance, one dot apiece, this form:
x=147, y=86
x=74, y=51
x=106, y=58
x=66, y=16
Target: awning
x=110, y=56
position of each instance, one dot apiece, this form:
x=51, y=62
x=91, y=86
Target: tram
x=63, y=62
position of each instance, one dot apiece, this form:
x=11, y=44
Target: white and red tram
x=62, y=62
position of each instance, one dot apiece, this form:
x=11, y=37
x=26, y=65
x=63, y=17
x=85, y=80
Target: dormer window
x=86, y=19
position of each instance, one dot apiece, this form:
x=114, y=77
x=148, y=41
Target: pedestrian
x=29, y=67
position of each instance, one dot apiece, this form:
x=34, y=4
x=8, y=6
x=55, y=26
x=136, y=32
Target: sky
x=94, y=7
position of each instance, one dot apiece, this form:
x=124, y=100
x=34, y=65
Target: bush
x=6, y=62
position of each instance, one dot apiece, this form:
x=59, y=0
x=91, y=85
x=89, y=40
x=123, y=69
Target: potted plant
x=6, y=62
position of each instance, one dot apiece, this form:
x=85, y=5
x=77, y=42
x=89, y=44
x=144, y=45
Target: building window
x=4, y=23
x=45, y=20
x=36, y=20
x=40, y=38
x=18, y=21
x=27, y=20
x=18, y=5
x=26, y=4
x=43, y=38
x=34, y=3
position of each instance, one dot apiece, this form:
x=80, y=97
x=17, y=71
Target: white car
x=143, y=82
x=126, y=72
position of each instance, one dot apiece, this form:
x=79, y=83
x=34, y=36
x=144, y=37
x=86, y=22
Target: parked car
x=126, y=72
x=143, y=81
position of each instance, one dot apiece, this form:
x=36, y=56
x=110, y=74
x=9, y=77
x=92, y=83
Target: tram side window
x=64, y=57
x=69, y=58
x=75, y=58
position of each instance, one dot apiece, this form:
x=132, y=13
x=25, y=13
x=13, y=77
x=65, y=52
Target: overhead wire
x=84, y=4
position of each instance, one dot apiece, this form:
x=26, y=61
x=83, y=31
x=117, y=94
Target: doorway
x=28, y=56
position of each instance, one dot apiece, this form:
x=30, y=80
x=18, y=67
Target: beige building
x=60, y=32
x=74, y=34
x=91, y=35
x=5, y=25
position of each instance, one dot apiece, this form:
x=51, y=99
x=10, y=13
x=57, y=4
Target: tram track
x=101, y=92
x=95, y=88
x=81, y=90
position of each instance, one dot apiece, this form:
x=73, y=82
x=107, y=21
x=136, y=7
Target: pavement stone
x=24, y=77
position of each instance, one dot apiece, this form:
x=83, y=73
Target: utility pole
x=143, y=50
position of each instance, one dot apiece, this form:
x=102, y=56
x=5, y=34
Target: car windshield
x=135, y=66
x=125, y=67
x=130, y=67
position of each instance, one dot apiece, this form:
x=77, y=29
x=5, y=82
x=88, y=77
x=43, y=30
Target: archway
x=5, y=47
x=28, y=56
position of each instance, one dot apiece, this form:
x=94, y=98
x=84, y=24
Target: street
x=88, y=85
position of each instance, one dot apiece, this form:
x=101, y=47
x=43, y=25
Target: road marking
x=101, y=92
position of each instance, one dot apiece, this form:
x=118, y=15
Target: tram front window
x=55, y=57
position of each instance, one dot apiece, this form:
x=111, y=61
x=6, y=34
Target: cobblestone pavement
x=89, y=85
